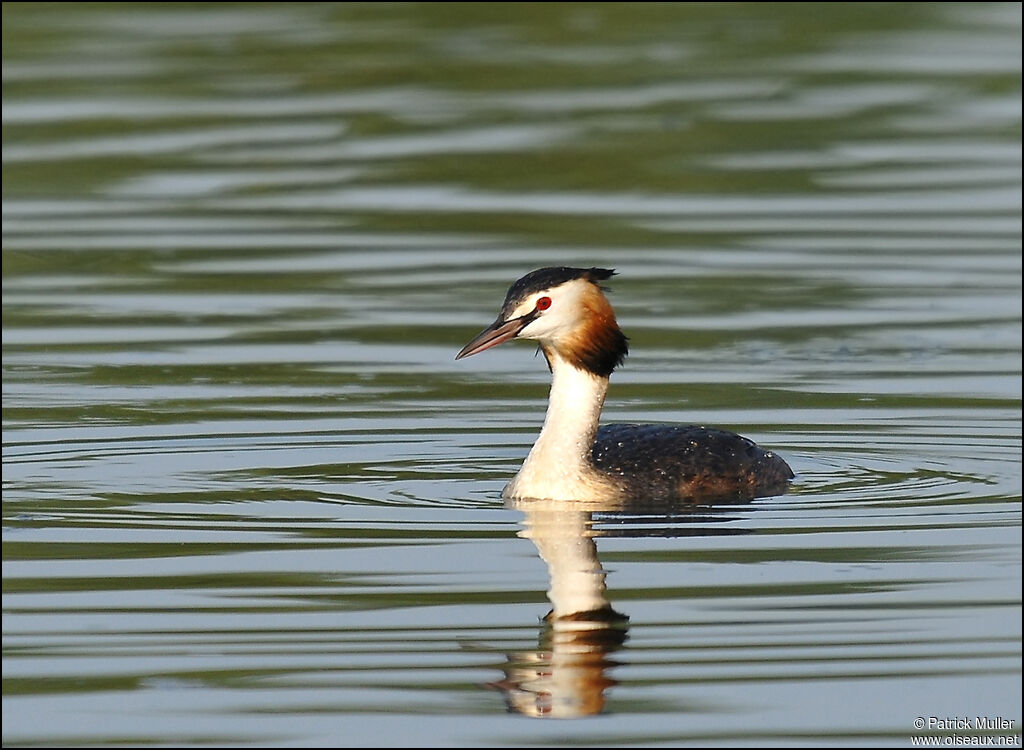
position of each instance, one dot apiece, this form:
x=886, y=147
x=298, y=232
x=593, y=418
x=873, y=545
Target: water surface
x=250, y=498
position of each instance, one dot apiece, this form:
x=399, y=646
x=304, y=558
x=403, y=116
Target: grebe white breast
x=566, y=311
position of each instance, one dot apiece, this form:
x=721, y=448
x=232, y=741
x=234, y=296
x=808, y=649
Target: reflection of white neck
x=568, y=676
x=559, y=464
x=565, y=542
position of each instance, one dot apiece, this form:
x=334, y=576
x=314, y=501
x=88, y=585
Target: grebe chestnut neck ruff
x=566, y=311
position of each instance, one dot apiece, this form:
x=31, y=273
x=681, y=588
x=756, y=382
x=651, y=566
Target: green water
x=250, y=498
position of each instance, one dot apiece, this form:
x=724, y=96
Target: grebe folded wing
x=675, y=461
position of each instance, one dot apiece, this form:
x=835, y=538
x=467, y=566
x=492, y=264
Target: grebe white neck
x=559, y=464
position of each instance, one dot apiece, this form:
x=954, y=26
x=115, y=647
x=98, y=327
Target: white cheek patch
x=525, y=308
x=538, y=329
x=545, y=314
x=551, y=324
x=557, y=320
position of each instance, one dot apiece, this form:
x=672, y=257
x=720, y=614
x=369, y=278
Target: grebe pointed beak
x=497, y=333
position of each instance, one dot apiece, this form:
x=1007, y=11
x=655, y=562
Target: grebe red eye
x=543, y=303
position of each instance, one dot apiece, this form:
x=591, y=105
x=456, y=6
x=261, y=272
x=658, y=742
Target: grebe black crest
x=566, y=311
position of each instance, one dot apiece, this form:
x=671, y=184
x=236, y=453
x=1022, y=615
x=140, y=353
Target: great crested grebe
x=566, y=311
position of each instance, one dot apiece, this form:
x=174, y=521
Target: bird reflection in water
x=568, y=674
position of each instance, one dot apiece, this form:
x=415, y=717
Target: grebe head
x=566, y=311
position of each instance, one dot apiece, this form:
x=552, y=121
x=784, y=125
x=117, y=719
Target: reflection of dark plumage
x=566, y=310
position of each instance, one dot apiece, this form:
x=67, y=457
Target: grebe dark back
x=566, y=311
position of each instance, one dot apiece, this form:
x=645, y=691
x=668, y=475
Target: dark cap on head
x=546, y=278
